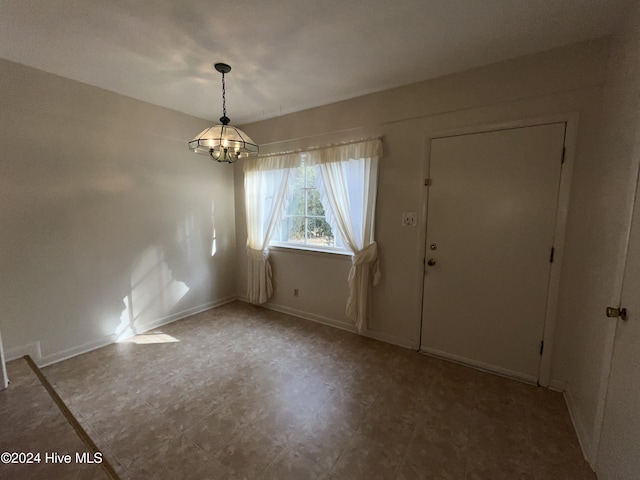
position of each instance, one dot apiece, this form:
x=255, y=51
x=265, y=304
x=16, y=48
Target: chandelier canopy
x=224, y=143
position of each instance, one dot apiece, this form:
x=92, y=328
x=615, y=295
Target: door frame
x=571, y=133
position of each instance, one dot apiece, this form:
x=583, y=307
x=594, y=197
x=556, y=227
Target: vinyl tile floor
x=33, y=430
x=242, y=392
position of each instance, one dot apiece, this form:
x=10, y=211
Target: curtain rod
x=319, y=147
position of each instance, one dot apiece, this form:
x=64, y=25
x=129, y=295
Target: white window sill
x=305, y=250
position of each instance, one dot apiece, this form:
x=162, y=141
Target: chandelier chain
x=224, y=97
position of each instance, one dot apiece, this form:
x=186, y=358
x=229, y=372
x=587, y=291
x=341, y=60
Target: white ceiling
x=286, y=55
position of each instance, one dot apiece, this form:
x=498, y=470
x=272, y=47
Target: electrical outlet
x=409, y=219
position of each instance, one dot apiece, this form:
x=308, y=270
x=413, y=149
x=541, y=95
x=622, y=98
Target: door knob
x=613, y=312
x=431, y=262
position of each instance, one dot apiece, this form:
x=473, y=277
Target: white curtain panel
x=348, y=179
x=265, y=184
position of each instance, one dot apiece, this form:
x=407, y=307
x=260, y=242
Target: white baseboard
x=393, y=340
x=32, y=349
x=485, y=367
x=109, y=339
x=309, y=316
x=75, y=351
x=557, y=385
x=146, y=326
x=583, y=438
x=342, y=325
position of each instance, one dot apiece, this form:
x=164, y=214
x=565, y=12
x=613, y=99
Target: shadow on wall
x=153, y=292
x=110, y=264
x=155, y=288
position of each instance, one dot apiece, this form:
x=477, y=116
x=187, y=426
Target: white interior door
x=490, y=227
x=619, y=453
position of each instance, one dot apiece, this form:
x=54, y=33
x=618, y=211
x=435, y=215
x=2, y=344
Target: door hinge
x=541, y=346
x=427, y=182
x=551, y=255
x=564, y=151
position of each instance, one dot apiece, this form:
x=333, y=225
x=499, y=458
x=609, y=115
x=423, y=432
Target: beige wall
x=555, y=85
x=599, y=230
x=557, y=82
x=106, y=216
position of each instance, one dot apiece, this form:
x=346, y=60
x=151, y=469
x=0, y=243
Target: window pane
x=296, y=179
x=296, y=202
x=319, y=232
x=310, y=177
x=314, y=206
x=294, y=229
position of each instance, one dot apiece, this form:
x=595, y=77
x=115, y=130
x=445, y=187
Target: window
x=284, y=207
x=304, y=223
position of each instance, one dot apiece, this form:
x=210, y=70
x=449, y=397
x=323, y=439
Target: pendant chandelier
x=224, y=143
